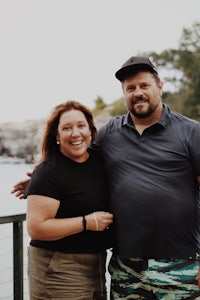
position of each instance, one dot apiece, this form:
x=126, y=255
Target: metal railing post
x=18, y=276
x=18, y=260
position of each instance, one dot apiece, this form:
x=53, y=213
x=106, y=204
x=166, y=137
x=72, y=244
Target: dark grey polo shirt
x=154, y=192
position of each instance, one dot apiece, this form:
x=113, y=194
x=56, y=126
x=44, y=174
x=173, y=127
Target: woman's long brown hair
x=48, y=143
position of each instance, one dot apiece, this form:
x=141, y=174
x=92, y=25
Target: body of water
x=11, y=171
x=9, y=175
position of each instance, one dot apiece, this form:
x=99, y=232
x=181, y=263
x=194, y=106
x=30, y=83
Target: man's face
x=142, y=94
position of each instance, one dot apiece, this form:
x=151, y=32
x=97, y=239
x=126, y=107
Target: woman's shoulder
x=95, y=155
x=46, y=166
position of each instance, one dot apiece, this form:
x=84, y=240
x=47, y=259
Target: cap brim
x=129, y=70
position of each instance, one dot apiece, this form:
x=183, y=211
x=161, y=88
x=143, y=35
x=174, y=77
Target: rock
x=22, y=139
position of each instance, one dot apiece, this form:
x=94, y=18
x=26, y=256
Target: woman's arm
x=42, y=224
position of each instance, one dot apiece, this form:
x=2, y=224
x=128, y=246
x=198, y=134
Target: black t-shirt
x=81, y=189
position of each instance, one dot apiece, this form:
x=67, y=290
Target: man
x=152, y=160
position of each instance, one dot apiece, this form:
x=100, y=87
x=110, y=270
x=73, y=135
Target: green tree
x=186, y=61
x=99, y=105
x=118, y=108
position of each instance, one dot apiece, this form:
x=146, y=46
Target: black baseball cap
x=135, y=63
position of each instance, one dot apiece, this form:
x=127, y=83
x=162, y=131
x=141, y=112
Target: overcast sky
x=55, y=50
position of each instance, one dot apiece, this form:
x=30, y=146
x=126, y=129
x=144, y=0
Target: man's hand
x=19, y=187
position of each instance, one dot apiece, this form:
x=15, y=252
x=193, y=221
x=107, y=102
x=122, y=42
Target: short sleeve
x=44, y=181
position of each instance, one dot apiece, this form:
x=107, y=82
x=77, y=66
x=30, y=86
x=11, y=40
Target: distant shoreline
x=11, y=160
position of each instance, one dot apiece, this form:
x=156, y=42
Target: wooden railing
x=18, y=276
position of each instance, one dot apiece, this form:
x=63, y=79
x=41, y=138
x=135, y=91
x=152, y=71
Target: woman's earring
x=58, y=142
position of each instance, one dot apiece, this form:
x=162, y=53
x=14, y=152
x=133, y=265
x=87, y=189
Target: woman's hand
x=98, y=221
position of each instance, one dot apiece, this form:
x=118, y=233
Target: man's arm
x=19, y=187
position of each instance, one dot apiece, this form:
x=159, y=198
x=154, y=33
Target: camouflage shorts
x=153, y=279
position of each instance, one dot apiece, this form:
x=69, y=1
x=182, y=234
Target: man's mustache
x=138, y=99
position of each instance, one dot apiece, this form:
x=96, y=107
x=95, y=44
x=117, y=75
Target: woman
x=67, y=216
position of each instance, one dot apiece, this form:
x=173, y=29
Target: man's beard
x=142, y=115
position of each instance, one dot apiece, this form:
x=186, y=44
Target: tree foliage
x=183, y=66
x=118, y=108
x=99, y=105
x=186, y=61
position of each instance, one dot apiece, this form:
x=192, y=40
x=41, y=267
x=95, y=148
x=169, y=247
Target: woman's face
x=74, y=135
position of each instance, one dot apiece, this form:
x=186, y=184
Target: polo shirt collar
x=163, y=120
